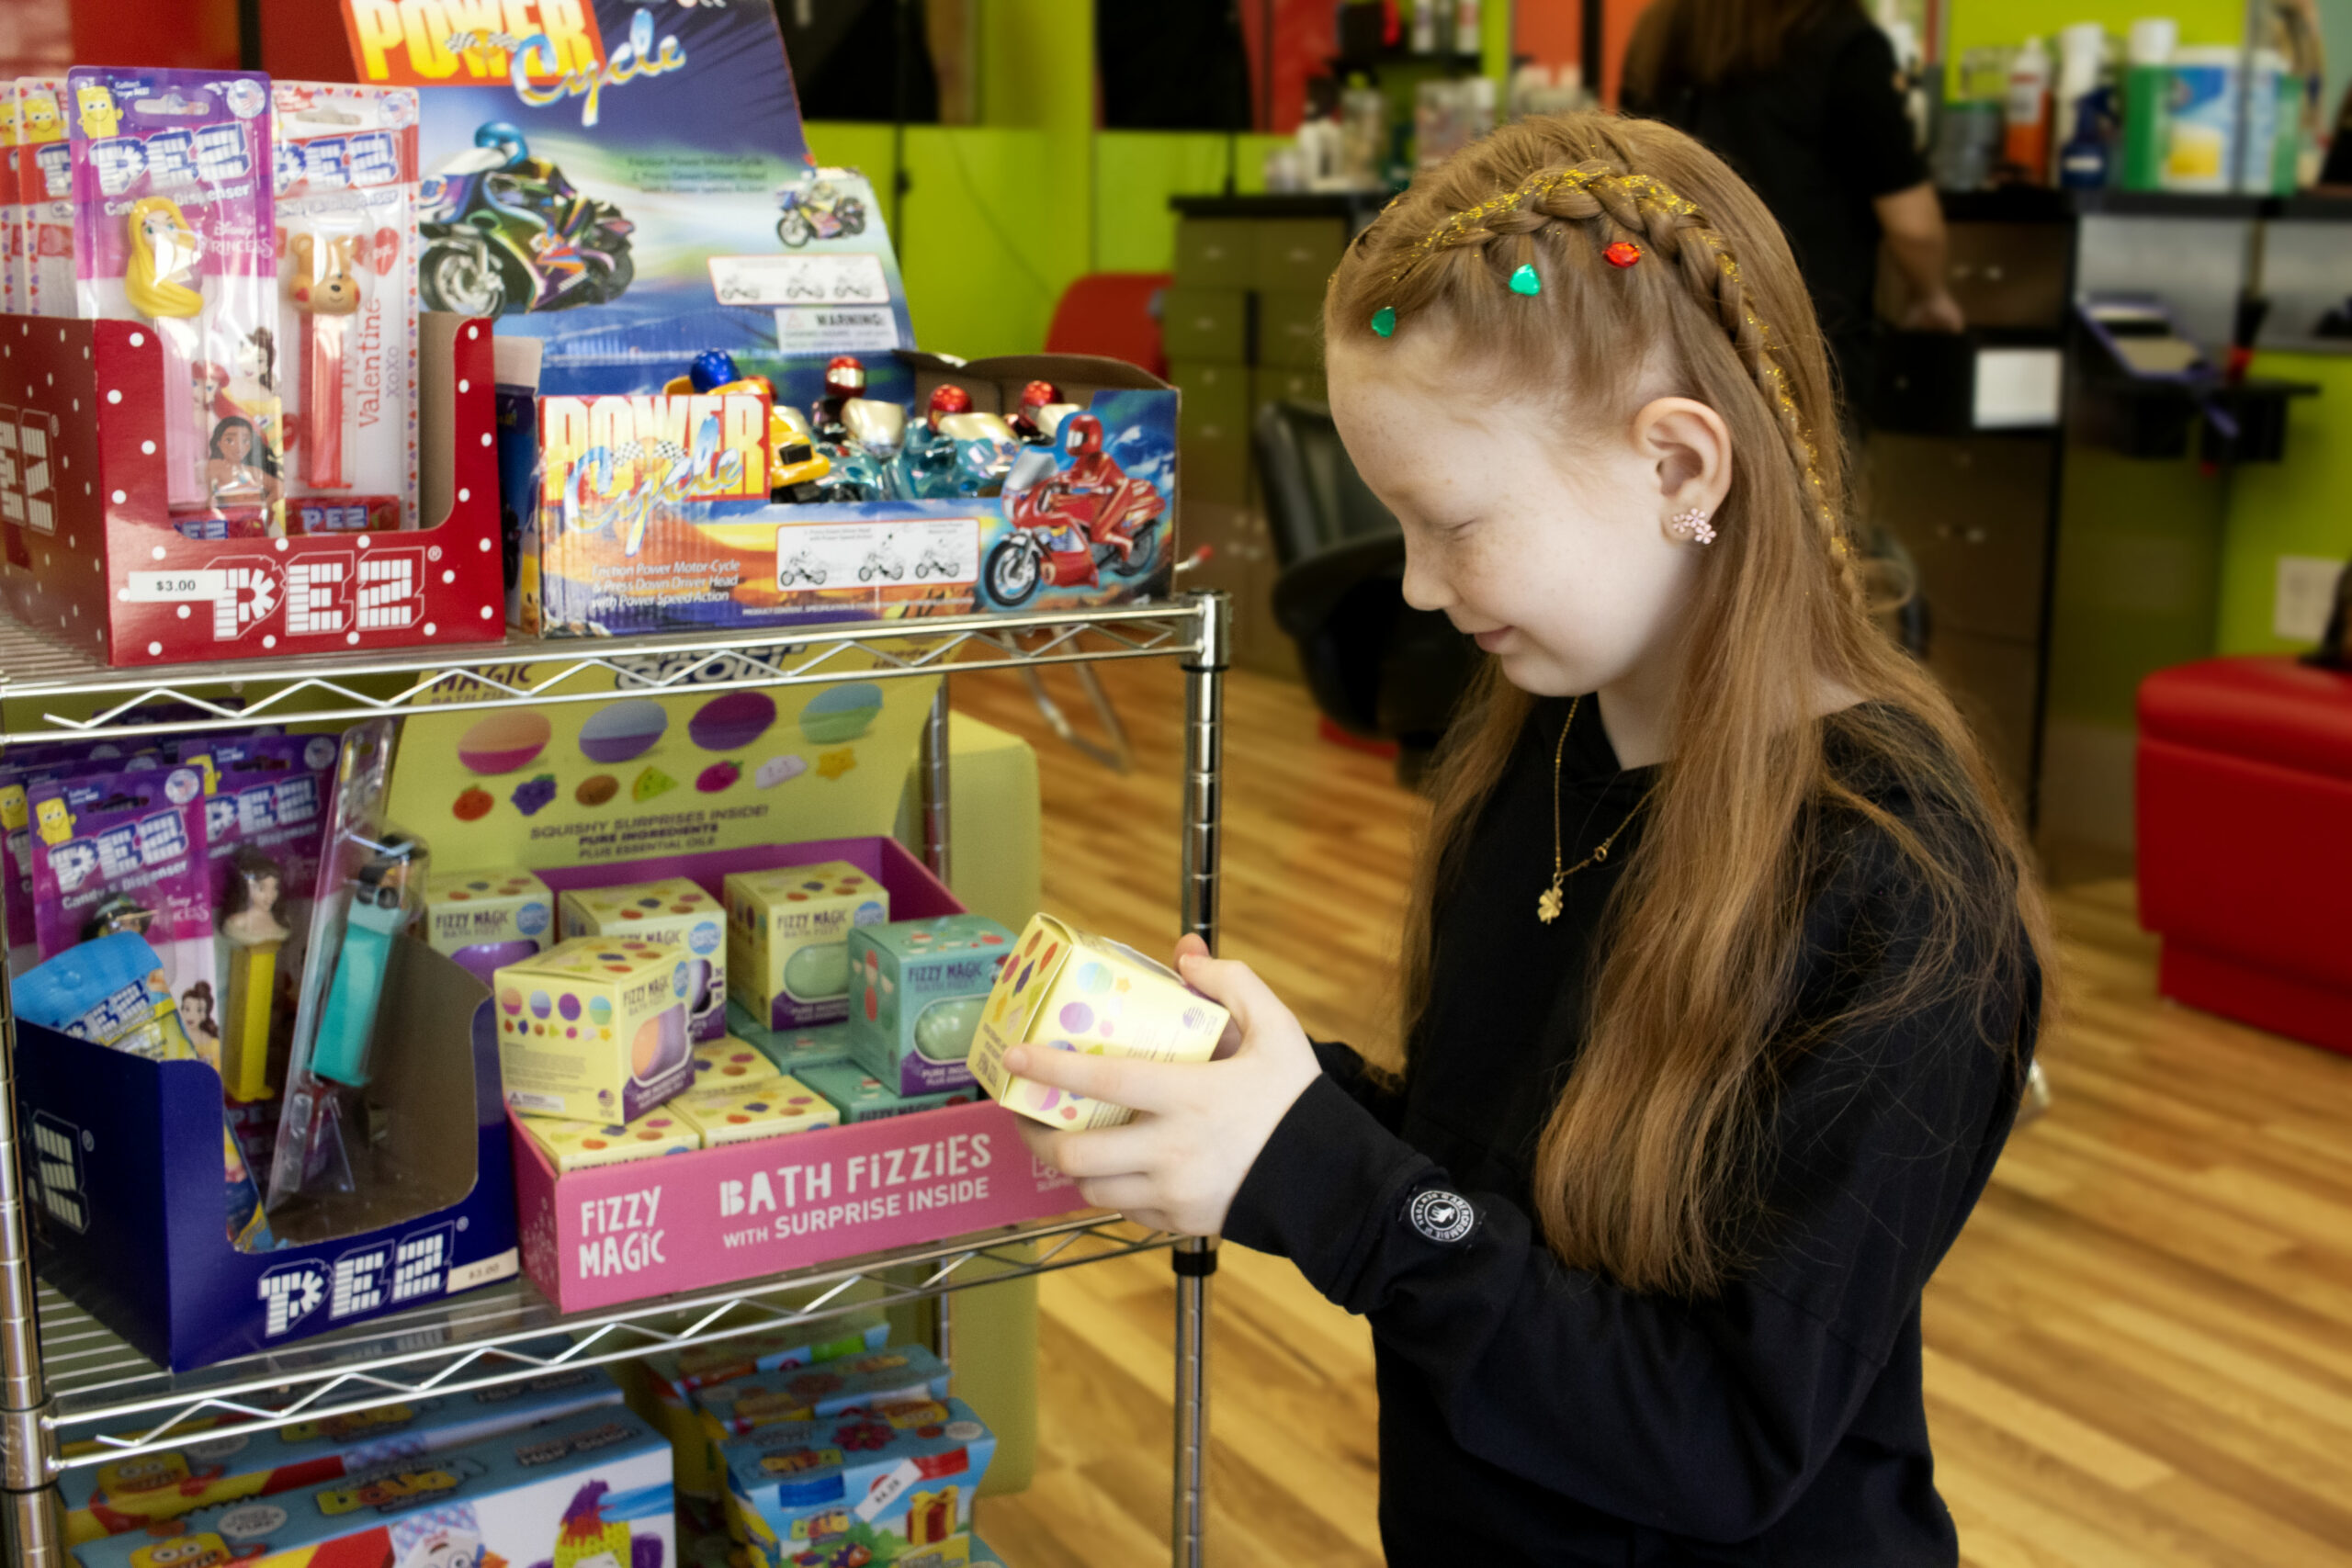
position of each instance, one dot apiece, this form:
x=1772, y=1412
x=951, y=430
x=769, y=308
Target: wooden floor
x=2140, y=1351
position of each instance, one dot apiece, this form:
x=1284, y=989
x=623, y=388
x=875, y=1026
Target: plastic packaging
x=2202, y=136
x=2025, y=131
x=265, y=819
x=45, y=187
x=370, y=885
x=174, y=225
x=345, y=161
x=12, y=206
x=2265, y=123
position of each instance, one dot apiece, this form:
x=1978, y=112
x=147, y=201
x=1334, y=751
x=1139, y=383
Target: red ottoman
x=2245, y=842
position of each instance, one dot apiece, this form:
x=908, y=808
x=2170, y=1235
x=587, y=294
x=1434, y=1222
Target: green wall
x=1977, y=24
x=2300, y=507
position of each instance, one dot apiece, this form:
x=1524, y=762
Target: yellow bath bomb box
x=729, y=1062
x=595, y=1029
x=739, y=1114
x=786, y=962
x=578, y=1146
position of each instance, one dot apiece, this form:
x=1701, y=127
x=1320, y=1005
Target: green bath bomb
x=817, y=972
x=943, y=1033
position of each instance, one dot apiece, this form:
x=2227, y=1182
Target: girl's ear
x=1689, y=447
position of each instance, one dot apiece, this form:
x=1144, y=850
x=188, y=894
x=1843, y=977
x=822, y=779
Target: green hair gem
x=1383, y=320
x=1524, y=280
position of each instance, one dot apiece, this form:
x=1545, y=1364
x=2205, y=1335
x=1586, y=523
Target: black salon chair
x=1377, y=667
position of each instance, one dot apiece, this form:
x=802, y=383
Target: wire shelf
x=53, y=692
x=111, y=1403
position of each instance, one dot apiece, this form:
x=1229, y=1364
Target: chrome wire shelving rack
x=73, y=1394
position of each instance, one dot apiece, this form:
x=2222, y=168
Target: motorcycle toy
x=816, y=209
x=1072, y=525
x=795, y=465
x=881, y=562
x=505, y=233
x=870, y=434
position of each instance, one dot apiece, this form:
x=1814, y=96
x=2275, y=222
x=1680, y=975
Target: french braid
x=1641, y=208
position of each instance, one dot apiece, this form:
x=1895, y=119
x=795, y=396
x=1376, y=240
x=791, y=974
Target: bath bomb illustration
x=472, y=806
x=944, y=1032
x=841, y=713
x=731, y=722
x=661, y=1044
x=833, y=764
x=651, y=783
x=779, y=769
x=718, y=776
x=597, y=789
x=532, y=796
x=623, y=730
x=504, y=740
x=821, y=970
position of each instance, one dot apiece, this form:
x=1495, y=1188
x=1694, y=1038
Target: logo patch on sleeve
x=1440, y=1215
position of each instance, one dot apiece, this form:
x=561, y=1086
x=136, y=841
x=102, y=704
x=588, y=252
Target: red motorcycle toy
x=1075, y=524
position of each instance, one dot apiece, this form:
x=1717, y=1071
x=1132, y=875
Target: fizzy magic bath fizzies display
x=787, y=933
x=1066, y=991
x=917, y=989
x=486, y=919
x=674, y=911
x=889, y=1483
x=792, y=1050
x=728, y=1062
x=859, y=1096
x=584, y=1145
x=595, y=1029
x=742, y=1114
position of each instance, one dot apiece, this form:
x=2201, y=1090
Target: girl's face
x=235, y=444
x=1539, y=534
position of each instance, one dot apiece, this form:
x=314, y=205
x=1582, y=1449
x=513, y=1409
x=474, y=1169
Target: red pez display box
x=92, y=563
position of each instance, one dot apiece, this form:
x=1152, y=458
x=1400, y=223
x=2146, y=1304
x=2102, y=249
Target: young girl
x=1724, y=962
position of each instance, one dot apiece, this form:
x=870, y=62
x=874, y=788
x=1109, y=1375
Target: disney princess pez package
x=174, y=225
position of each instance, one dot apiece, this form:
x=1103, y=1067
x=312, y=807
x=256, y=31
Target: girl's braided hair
x=1569, y=270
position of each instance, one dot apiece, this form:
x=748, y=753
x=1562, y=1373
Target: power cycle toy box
x=661, y=1387
x=97, y=566
x=1071, y=991
x=590, y=1490
x=893, y=1486
x=134, y=1492
x=597, y=1237
x=126, y=1166
x=486, y=919
x=788, y=930
x=672, y=913
x=595, y=1029
x=917, y=989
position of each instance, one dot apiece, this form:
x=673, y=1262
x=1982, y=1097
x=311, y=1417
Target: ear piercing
x=1690, y=526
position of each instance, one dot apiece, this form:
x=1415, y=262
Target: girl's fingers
x=1109, y=1152
x=1117, y=1080
x=1237, y=988
x=1125, y=1193
x=1189, y=945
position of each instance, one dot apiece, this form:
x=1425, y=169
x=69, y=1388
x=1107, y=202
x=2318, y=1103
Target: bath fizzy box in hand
x=1071, y=991
x=895, y=1483
x=675, y=912
x=589, y=1489
x=916, y=991
x=893, y=1375
x=594, y=1030
x=661, y=1388
x=793, y=1051
x=134, y=1492
x=859, y=1096
x=486, y=919
x=787, y=932
x=739, y=1113
x=584, y=1145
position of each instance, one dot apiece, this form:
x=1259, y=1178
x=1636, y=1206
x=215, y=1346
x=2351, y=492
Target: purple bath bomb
x=624, y=730
x=731, y=722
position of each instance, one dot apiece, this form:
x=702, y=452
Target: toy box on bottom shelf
x=128, y=1210
x=661, y=1388
x=612, y=1233
x=593, y=1489
x=892, y=1484
x=93, y=559
x=108, y=1499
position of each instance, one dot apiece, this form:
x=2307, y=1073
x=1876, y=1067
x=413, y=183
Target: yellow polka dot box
x=595, y=1029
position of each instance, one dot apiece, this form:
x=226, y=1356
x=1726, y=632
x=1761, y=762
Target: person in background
x=1803, y=99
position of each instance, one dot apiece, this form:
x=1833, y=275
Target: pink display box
x=90, y=560
x=599, y=1237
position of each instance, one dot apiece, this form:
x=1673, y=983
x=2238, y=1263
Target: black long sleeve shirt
x=1532, y=1413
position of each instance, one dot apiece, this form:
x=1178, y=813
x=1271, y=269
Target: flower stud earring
x=1692, y=526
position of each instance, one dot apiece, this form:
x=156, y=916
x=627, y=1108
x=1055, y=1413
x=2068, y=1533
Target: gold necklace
x=1548, y=906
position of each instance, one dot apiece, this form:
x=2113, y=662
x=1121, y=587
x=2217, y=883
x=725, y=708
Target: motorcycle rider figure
x=1035, y=397
x=845, y=379
x=1091, y=471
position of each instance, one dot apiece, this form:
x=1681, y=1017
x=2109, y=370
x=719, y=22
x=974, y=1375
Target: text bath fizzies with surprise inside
x=731, y=721
x=1066, y=991
x=917, y=990
x=594, y=1030
x=504, y=742
x=788, y=961
x=840, y=714
x=675, y=911
x=623, y=731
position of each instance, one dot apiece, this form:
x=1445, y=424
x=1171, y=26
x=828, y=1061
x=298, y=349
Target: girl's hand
x=1199, y=1125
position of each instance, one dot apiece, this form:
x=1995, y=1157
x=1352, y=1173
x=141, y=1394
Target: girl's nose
x=1425, y=588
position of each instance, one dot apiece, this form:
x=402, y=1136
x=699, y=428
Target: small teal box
x=916, y=990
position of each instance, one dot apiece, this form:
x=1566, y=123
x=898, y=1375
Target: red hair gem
x=1624, y=253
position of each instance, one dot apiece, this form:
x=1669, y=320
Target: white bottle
x=1424, y=35
x=1465, y=28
